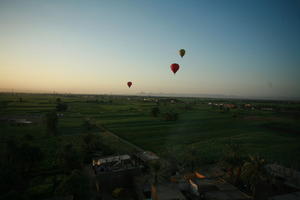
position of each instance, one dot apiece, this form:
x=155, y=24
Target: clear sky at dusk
x=241, y=47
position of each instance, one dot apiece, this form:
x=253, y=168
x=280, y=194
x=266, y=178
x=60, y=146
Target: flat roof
x=147, y=155
x=112, y=159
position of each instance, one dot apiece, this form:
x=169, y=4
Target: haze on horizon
x=242, y=48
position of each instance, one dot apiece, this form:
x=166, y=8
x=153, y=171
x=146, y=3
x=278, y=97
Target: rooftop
x=147, y=156
x=110, y=159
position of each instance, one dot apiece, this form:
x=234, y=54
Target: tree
x=91, y=142
x=28, y=137
x=24, y=156
x=255, y=174
x=3, y=105
x=233, y=162
x=68, y=158
x=51, y=123
x=76, y=184
x=170, y=116
x=88, y=147
x=16, y=163
x=28, y=155
x=88, y=125
x=155, y=111
x=11, y=149
x=61, y=107
x=10, y=174
x=188, y=106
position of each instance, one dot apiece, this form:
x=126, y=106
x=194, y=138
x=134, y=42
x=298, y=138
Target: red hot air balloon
x=129, y=84
x=174, y=67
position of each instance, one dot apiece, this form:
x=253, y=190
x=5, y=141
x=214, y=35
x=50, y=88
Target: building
x=16, y=122
x=116, y=172
x=113, y=164
x=217, y=189
x=287, y=176
x=205, y=186
x=146, y=156
x=228, y=105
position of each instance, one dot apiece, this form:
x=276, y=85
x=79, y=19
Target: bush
x=155, y=111
x=88, y=125
x=68, y=158
x=170, y=116
x=61, y=107
x=51, y=122
x=39, y=191
x=11, y=195
x=76, y=184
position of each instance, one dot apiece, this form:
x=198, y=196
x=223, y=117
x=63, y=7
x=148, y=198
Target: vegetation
x=155, y=111
x=250, y=173
x=88, y=125
x=51, y=123
x=156, y=175
x=170, y=116
x=76, y=185
x=68, y=159
x=255, y=174
x=188, y=132
x=233, y=162
x=61, y=107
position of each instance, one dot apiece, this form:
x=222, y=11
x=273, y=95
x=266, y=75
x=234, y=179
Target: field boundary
x=118, y=138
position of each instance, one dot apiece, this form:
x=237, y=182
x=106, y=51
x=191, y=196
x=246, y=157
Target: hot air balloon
x=181, y=52
x=174, y=67
x=129, y=84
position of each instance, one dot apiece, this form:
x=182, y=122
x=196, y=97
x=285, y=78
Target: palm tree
x=255, y=173
x=51, y=123
x=233, y=162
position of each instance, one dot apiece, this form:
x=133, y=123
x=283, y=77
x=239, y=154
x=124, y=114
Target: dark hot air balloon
x=181, y=52
x=129, y=84
x=174, y=67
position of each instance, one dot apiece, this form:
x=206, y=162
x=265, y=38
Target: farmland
x=272, y=133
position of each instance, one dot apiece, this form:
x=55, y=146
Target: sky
x=247, y=48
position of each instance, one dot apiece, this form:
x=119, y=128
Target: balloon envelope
x=181, y=52
x=129, y=84
x=174, y=67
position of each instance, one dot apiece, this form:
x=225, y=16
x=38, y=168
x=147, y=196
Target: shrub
x=170, y=116
x=155, y=111
x=61, y=107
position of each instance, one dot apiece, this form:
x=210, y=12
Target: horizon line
x=151, y=94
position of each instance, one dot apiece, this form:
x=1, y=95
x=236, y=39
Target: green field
x=273, y=134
